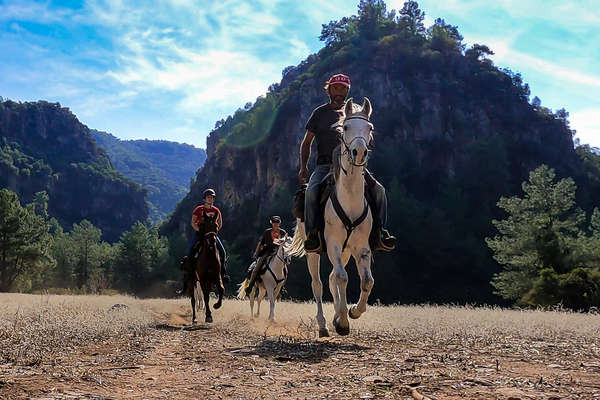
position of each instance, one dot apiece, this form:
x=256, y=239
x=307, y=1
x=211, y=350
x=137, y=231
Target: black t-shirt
x=326, y=123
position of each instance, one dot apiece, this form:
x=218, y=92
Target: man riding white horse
x=324, y=126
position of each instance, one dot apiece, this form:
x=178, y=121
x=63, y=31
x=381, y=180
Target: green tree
x=478, y=52
x=444, y=37
x=541, y=232
x=63, y=253
x=85, y=241
x=142, y=253
x=24, y=241
x=412, y=17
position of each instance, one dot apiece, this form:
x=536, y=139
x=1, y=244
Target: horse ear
x=366, y=107
x=348, y=110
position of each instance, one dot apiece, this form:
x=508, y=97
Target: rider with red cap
x=321, y=127
x=197, y=222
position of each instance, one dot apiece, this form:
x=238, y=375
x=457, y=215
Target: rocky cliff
x=453, y=133
x=45, y=147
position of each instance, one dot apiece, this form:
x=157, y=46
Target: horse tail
x=241, y=293
x=297, y=246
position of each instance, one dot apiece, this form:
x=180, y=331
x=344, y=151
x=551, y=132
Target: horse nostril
x=354, y=152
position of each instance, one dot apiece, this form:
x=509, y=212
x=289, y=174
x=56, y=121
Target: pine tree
x=24, y=241
x=541, y=232
x=412, y=17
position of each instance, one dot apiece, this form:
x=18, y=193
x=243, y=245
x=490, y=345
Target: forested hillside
x=44, y=147
x=163, y=168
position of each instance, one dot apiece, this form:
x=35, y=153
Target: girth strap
x=277, y=281
x=348, y=224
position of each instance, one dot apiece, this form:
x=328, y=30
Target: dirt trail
x=237, y=359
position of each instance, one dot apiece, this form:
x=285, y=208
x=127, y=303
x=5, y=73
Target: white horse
x=348, y=222
x=273, y=279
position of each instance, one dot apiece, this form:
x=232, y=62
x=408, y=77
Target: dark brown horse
x=208, y=269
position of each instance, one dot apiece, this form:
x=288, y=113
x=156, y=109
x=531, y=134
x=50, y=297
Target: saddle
x=326, y=187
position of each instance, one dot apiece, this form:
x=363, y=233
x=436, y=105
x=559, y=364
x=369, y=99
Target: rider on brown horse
x=198, y=224
x=323, y=125
x=266, y=247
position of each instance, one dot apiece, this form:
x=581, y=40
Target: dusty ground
x=441, y=352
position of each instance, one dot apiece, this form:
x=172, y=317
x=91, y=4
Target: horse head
x=356, y=132
x=283, y=250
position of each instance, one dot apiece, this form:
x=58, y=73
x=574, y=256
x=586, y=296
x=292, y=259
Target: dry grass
x=445, y=351
x=31, y=324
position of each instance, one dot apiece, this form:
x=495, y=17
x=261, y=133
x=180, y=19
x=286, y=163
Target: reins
x=349, y=225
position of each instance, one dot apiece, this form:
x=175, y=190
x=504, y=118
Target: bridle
x=347, y=150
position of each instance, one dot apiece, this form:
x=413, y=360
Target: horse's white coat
x=349, y=188
x=268, y=285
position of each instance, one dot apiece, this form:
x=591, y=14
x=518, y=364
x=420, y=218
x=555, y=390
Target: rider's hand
x=303, y=175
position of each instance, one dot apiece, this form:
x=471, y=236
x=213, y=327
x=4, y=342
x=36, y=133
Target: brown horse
x=208, y=269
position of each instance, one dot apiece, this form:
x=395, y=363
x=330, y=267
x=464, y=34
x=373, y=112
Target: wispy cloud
x=176, y=66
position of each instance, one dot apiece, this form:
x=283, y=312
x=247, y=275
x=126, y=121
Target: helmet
x=338, y=78
x=207, y=192
x=275, y=218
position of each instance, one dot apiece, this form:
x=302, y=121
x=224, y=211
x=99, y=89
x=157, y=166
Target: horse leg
x=251, y=296
x=314, y=261
x=271, y=295
x=221, y=291
x=338, y=281
x=198, y=295
x=363, y=264
x=206, y=293
x=259, y=297
x=193, y=303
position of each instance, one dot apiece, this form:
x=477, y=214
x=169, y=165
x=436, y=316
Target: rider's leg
x=223, y=257
x=186, y=265
x=311, y=207
x=382, y=238
x=255, y=272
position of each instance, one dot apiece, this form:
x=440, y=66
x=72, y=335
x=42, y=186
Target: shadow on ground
x=290, y=349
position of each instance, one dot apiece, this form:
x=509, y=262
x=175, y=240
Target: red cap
x=339, y=78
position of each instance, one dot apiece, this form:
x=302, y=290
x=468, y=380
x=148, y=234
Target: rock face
x=163, y=168
x=417, y=112
x=45, y=147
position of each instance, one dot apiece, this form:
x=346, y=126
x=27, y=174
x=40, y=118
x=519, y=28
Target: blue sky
x=168, y=69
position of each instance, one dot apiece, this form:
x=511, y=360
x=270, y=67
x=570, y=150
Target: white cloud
x=587, y=124
x=33, y=11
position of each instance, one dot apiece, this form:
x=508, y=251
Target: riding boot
x=224, y=275
x=312, y=242
x=255, y=273
x=223, y=256
x=380, y=239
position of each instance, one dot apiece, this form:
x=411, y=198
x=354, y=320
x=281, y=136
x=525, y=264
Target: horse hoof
x=351, y=313
x=208, y=319
x=341, y=330
x=323, y=332
x=217, y=305
x=194, y=322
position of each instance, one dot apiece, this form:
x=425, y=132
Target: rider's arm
x=305, y=151
x=219, y=221
x=258, y=246
x=195, y=222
